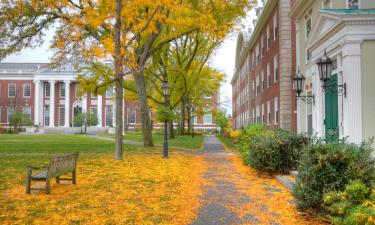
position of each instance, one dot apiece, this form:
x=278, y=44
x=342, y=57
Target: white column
x=84, y=103
x=67, y=103
x=99, y=110
x=36, y=102
x=52, y=103
x=123, y=116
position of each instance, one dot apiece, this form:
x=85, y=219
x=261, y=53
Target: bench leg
x=74, y=177
x=57, y=180
x=28, y=182
x=48, y=187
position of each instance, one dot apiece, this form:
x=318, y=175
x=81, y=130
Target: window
x=268, y=75
x=263, y=116
x=10, y=111
x=254, y=118
x=258, y=115
x=268, y=38
x=269, y=112
x=132, y=115
x=11, y=90
x=26, y=90
x=263, y=81
x=195, y=119
x=309, y=118
x=109, y=92
x=275, y=27
x=257, y=86
x=62, y=90
x=353, y=4
x=207, y=118
x=27, y=111
x=108, y=116
x=275, y=69
x=76, y=90
x=61, y=116
x=46, y=115
x=262, y=44
x=308, y=24
x=47, y=89
x=94, y=110
x=257, y=54
x=276, y=104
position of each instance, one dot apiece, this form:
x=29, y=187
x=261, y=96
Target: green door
x=331, y=110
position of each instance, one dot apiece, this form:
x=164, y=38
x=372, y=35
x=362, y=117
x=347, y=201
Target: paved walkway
x=233, y=196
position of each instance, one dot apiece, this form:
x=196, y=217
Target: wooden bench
x=59, y=165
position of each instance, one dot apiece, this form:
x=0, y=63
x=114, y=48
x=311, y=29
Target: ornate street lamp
x=325, y=72
x=166, y=94
x=298, y=86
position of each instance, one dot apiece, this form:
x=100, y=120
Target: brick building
x=50, y=97
x=265, y=62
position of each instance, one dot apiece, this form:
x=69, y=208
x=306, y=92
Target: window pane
x=62, y=116
x=62, y=90
x=47, y=89
x=207, y=118
x=132, y=115
x=108, y=116
x=27, y=90
x=353, y=4
x=12, y=90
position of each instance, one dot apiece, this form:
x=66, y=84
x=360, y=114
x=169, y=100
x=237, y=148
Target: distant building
x=345, y=29
x=50, y=97
x=265, y=60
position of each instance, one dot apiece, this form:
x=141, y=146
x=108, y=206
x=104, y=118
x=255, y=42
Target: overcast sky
x=223, y=59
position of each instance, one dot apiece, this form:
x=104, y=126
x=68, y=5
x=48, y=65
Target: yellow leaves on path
x=142, y=189
x=270, y=199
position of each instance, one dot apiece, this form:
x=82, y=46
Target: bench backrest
x=62, y=164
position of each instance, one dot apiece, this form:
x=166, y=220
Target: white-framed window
x=61, y=116
x=26, y=90
x=62, y=90
x=27, y=111
x=46, y=115
x=258, y=114
x=254, y=118
x=76, y=90
x=47, y=90
x=109, y=93
x=308, y=24
x=275, y=27
x=263, y=81
x=257, y=86
x=269, y=112
x=207, y=118
x=132, y=115
x=195, y=119
x=276, y=109
x=11, y=90
x=10, y=111
x=262, y=45
x=326, y=4
x=257, y=54
x=94, y=110
x=275, y=69
x=268, y=75
x=353, y=4
x=263, y=115
x=108, y=116
x=268, y=38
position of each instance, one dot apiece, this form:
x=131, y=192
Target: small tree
x=19, y=119
x=222, y=120
x=84, y=120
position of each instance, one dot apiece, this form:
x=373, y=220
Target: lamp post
x=298, y=85
x=166, y=94
x=325, y=72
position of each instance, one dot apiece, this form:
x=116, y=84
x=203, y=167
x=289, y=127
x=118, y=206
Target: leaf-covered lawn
x=227, y=142
x=142, y=189
x=186, y=141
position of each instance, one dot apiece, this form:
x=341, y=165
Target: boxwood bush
x=270, y=150
x=327, y=167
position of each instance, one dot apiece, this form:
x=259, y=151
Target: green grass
x=186, y=142
x=227, y=142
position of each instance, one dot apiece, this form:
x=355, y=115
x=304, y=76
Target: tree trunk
x=145, y=110
x=170, y=130
x=189, y=119
x=118, y=82
x=182, y=116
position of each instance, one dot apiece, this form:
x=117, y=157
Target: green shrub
x=355, y=205
x=246, y=137
x=330, y=167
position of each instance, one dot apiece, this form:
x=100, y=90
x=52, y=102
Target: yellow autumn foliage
x=142, y=189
